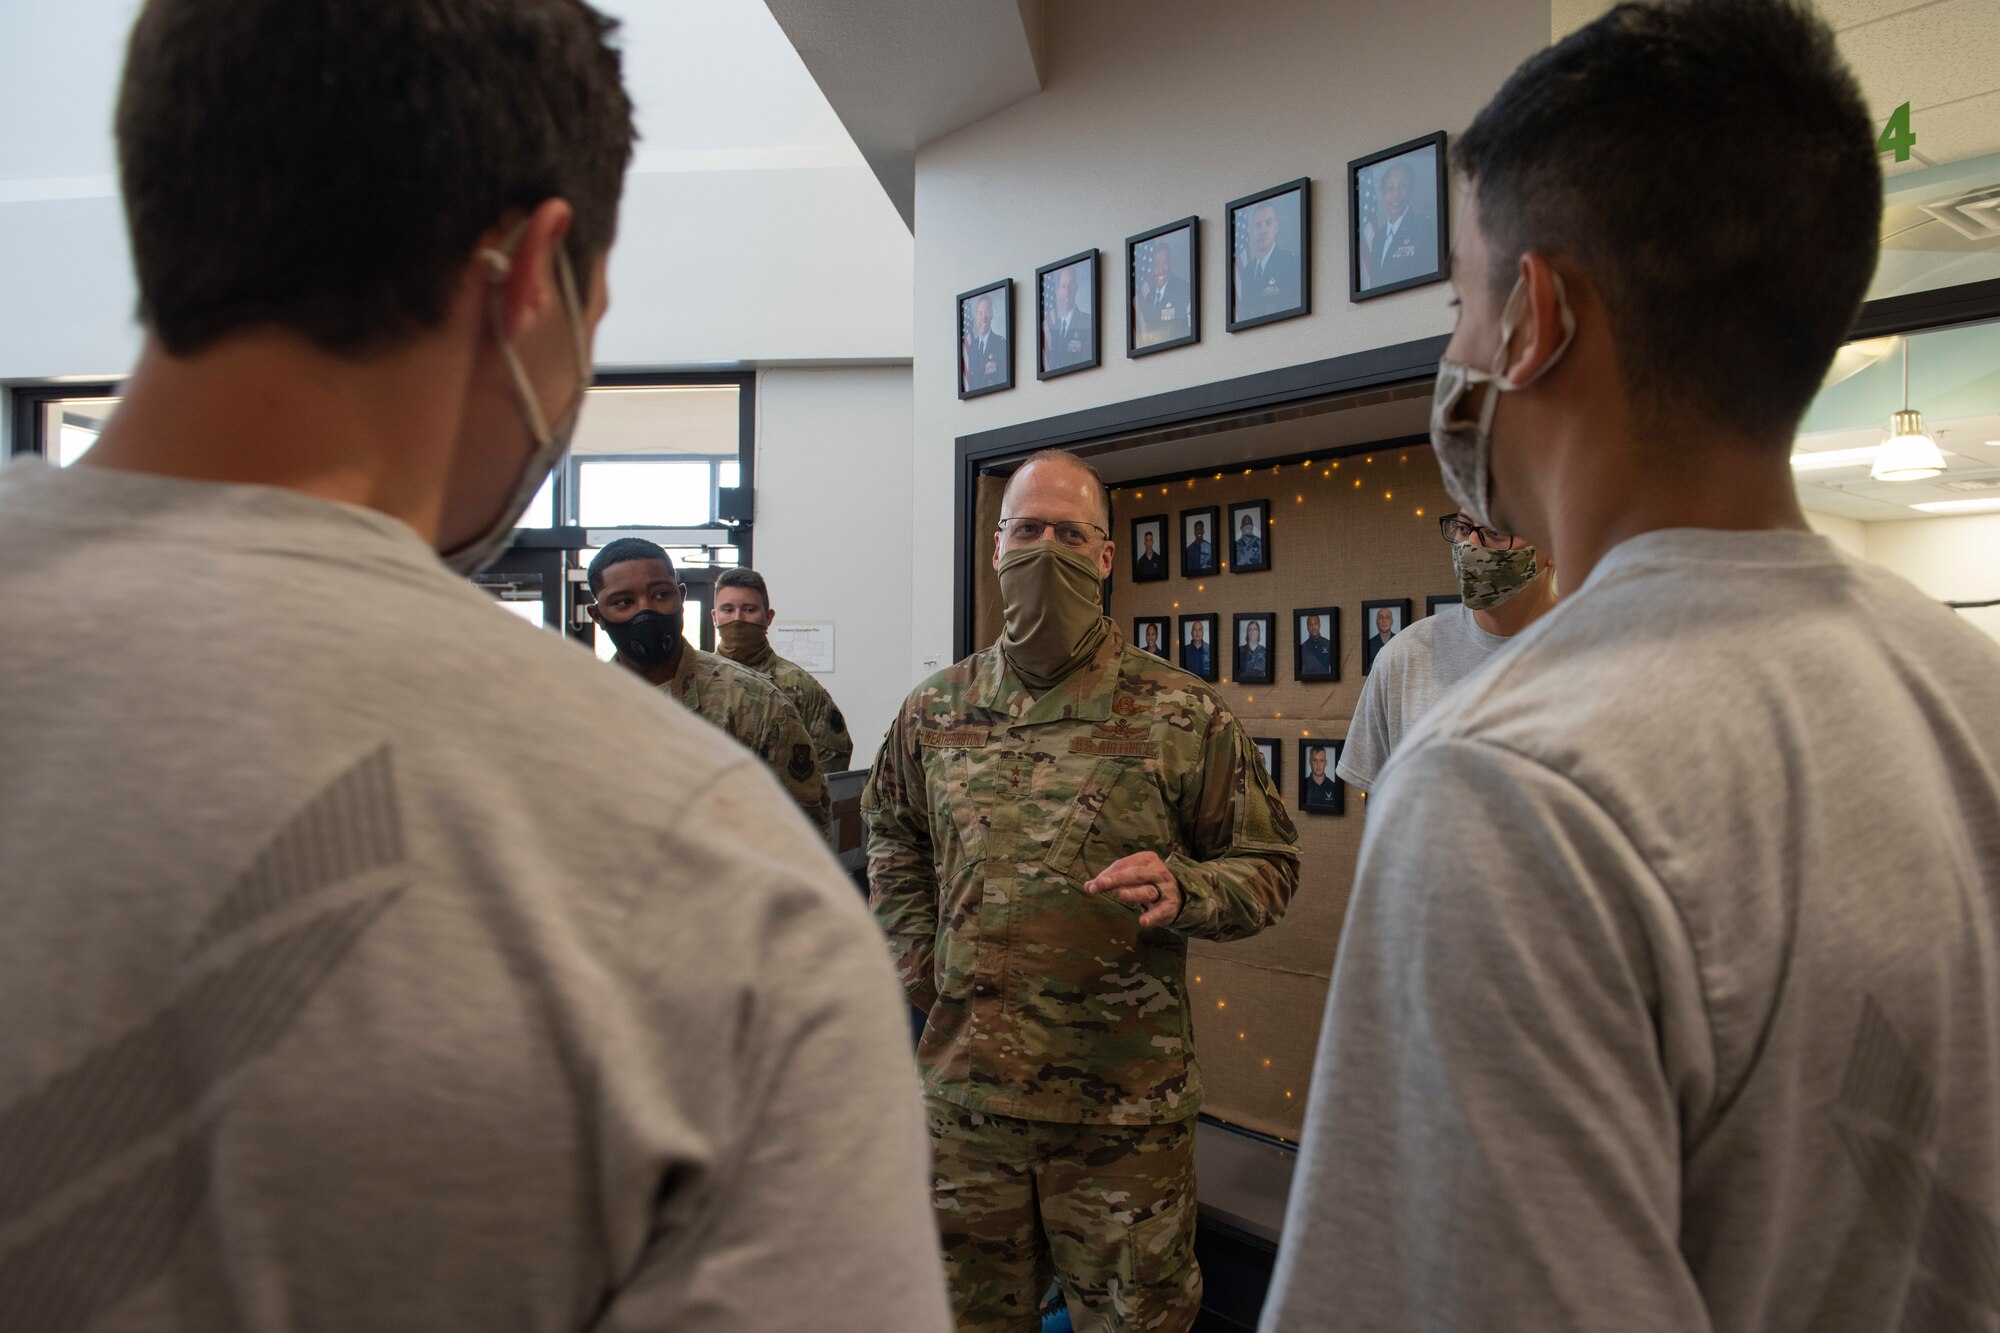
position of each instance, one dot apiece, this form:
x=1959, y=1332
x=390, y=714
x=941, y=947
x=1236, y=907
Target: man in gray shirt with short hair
x=373, y=961
x=1668, y=998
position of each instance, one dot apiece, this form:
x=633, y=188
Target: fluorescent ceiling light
x=1960, y=506
x=1828, y=459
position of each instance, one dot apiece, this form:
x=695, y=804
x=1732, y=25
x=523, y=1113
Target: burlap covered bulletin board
x=1341, y=534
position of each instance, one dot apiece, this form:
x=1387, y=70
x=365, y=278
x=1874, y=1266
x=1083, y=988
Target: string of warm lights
x=1327, y=469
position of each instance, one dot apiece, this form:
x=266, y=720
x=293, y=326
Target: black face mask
x=647, y=639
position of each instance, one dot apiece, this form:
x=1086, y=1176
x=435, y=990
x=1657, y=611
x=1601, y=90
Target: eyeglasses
x=1459, y=528
x=1074, y=535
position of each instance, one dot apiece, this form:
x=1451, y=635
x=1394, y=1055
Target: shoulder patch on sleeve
x=801, y=766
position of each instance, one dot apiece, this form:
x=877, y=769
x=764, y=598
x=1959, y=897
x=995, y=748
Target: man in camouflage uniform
x=637, y=601
x=1050, y=821
x=743, y=616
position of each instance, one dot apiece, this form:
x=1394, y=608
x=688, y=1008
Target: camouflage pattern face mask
x=1486, y=578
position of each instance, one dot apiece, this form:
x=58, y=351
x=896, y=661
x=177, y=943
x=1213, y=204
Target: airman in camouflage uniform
x=1056, y=1058
x=638, y=603
x=756, y=712
x=743, y=602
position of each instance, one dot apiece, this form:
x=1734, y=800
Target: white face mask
x=550, y=443
x=1465, y=447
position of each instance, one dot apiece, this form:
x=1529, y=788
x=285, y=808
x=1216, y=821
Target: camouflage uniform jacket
x=757, y=713
x=822, y=717
x=988, y=810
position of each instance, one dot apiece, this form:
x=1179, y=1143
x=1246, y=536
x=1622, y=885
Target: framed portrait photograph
x=986, y=339
x=1154, y=634
x=1250, y=536
x=1149, y=548
x=1398, y=236
x=1316, y=643
x=1200, y=541
x=1270, y=255
x=1198, y=649
x=1381, y=621
x=1437, y=601
x=1066, y=313
x=1162, y=284
x=1321, y=792
x=1269, y=751
x=1255, y=662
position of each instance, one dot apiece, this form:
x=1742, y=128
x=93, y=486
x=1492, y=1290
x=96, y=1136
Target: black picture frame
x=1259, y=514
x=1162, y=321
x=1429, y=242
x=1154, y=572
x=1272, y=752
x=1438, y=600
x=1370, y=632
x=1209, y=620
x=1164, y=624
x=1314, y=802
x=1313, y=672
x=1003, y=355
x=1184, y=543
x=1267, y=631
x=1082, y=346
x=1257, y=308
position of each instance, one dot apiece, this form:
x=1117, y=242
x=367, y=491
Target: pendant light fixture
x=1909, y=454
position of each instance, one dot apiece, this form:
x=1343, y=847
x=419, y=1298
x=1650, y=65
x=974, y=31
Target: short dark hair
x=1711, y=165
x=620, y=551
x=743, y=577
x=328, y=166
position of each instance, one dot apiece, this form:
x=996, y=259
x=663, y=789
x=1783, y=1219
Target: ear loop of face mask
x=1517, y=300
x=1473, y=491
x=550, y=444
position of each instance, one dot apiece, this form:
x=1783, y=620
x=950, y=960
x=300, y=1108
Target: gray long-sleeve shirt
x=373, y=961
x=1669, y=994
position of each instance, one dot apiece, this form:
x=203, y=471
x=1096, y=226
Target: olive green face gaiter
x=1053, y=601
x=744, y=641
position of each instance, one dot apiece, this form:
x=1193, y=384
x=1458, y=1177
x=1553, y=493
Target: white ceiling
x=905, y=72
x=740, y=155
x=1941, y=56
x=716, y=83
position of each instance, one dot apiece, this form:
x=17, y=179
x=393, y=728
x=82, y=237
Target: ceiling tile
x=1959, y=130
x=1939, y=53
x=1847, y=13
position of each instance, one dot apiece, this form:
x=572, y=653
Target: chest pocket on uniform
x=950, y=771
x=1119, y=810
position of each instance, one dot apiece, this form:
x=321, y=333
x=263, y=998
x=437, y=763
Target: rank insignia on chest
x=1116, y=737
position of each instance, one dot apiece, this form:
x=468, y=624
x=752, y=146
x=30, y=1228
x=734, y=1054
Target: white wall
x=833, y=508
x=1151, y=111
x=1955, y=559
x=752, y=230
x=1850, y=535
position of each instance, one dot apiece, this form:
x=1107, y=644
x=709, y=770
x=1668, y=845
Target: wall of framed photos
x=1338, y=535
x=1150, y=115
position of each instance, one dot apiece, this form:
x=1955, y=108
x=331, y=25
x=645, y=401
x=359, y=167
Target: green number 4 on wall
x=1897, y=136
